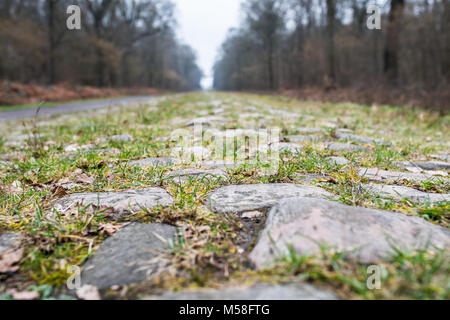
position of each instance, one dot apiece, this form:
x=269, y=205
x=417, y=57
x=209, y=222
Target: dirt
x=14, y=93
x=67, y=108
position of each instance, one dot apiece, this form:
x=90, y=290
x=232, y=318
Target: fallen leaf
x=84, y=178
x=109, y=228
x=25, y=295
x=251, y=214
x=111, y=177
x=9, y=259
x=203, y=229
x=59, y=192
x=63, y=181
x=14, y=188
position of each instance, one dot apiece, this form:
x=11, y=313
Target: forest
x=121, y=44
x=307, y=49
x=306, y=44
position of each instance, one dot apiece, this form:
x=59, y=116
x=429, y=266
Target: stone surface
x=10, y=241
x=251, y=116
x=72, y=148
x=442, y=156
x=284, y=114
x=336, y=146
x=93, y=150
x=425, y=165
x=401, y=192
x=310, y=130
x=344, y=131
x=353, y=137
x=291, y=147
x=375, y=174
x=250, y=109
x=118, y=138
x=120, y=203
x=111, y=151
x=366, y=234
x=241, y=198
x=186, y=154
x=303, y=138
x=341, y=161
x=122, y=138
x=14, y=144
x=203, y=113
x=236, y=133
x=12, y=156
x=20, y=137
x=220, y=164
x=207, y=121
x=187, y=174
x=293, y=291
x=219, y=111
x=153, y=162
x=126, y=257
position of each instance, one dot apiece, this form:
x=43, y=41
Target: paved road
x=68, y=107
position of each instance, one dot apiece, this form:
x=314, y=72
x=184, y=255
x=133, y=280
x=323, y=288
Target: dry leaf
x=203, y=229
x=14, y=188
x=25, y=295
x=111, y=177
x=251, y=214
x=63, y=181
x=83, y=178
x=59, y=192
x=109, y=228
x=8, y=260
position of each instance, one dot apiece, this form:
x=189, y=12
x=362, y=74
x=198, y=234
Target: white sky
x=203, y=24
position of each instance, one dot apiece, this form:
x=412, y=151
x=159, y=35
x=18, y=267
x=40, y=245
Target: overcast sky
x=203, y=24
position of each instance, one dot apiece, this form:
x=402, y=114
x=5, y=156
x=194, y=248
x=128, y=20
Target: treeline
x=122, y=43
x=291, y=44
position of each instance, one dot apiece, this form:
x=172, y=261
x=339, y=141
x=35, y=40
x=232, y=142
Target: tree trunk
x=392, y=41
x=270, y=68
x=51, y=11
x=331, y=19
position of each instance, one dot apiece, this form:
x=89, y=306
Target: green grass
x=419, y=274
x=55, y=242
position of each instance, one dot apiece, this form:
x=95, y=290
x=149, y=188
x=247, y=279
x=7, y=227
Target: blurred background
x=309, y=49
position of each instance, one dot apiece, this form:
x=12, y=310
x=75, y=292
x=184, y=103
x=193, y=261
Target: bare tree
x=266, y=19
x=392, y=41
x=331, y=27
